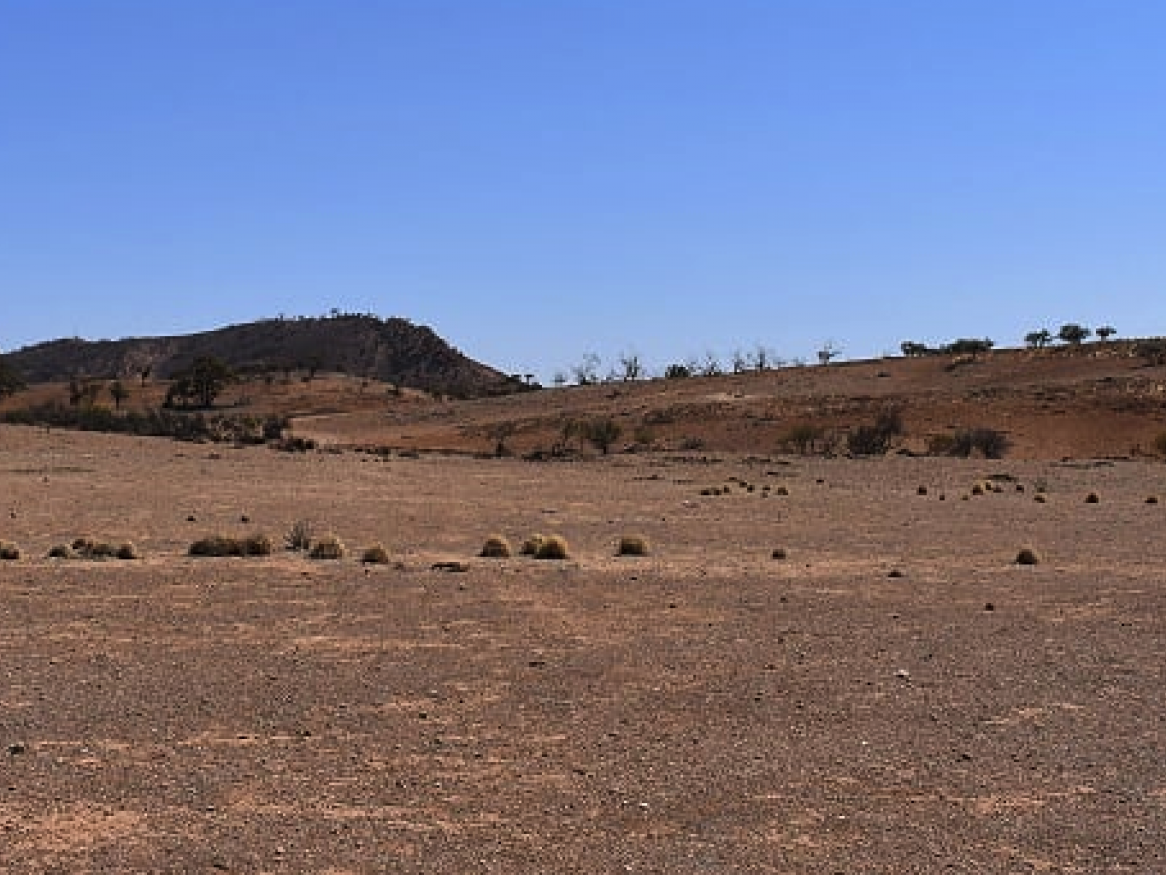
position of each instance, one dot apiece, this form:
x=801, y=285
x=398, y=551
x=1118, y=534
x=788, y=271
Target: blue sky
x=540, y=179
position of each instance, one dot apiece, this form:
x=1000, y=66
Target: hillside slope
x=391, y=350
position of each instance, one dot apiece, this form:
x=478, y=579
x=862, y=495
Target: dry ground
x=896, y=695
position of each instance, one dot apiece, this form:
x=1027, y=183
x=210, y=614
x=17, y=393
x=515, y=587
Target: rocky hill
x=393, y=350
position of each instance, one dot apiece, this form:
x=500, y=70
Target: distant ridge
x=393, y=350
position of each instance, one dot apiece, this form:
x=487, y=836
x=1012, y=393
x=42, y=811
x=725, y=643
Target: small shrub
x=1092, y=498
x=867, y=440
x=328, y=547
x=375, y=555
x=922, y=490
x=941, y=445
x=779, y=553
x=61, y=551
x=258, y=544
x=9, y=552
x=632, y=545
x=84, y=545
x=1151, y=499
x=802, y=438
x=299, y=536
x=531, y=545
x=552, y=547
x=102, y=550
x=988, y=442
x=496, y=547
x=782, y=490
x=128, y=551
x=1040, y=498
x=216, y=545
x=1027, y=556
x=875, y=439
x=601, y=433
x=977, y=489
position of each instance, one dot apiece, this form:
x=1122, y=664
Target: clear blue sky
x=539, y=179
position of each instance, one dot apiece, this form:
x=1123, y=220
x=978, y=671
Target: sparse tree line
x=1070, y=334
x=629, y=367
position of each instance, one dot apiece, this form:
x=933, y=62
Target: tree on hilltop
x=1039, y=339
x=1073, y=334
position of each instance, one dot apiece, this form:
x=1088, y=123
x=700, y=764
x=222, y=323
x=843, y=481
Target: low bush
x=1027, y=556
x=552, y=547
x=496, y=547
x=632, y=545
x=327, y=547
x=531, y=545
x=375, y=555
x=9, y=552
x=258, y=544
x=215, y=546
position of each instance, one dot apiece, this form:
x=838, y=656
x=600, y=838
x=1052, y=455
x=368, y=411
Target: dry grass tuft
x=327, y=547
x=299, y=536
x=496, y=547
x=632, y=545
x=553, y=547
x=1027, y=556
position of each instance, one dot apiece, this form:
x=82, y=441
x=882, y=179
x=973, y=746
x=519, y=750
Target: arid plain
x=831, y=665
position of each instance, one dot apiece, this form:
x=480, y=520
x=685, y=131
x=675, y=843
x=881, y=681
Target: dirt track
x=706, y=709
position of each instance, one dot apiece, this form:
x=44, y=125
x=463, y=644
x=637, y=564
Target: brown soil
x=896, y=695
